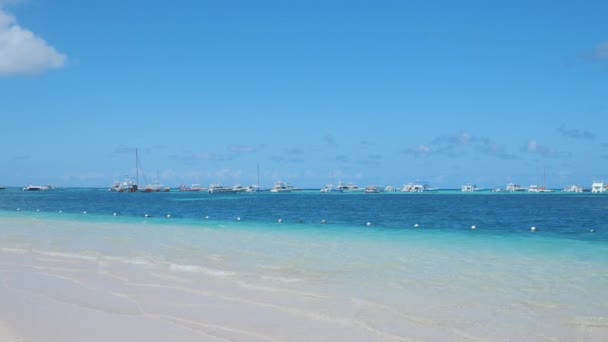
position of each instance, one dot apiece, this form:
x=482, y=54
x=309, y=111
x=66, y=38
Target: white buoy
x=18, y=209
x=145, y=215
x=473, y=227
x=60, y=211
x=238, y=218
x=532, y=229
x=368, y=224
x=280, y=221
x=592, y=231
x=323, y=221
x=168, y=215
x=206, y=217
x=84, y=212
x=37, y=209
x=416, y=225
x=114, y=214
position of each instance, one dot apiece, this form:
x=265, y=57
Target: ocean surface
x=326, y=266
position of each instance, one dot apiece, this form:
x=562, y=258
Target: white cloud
x=22, y=52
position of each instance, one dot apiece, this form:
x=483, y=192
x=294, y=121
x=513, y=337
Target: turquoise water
x=570, y=216
x=342, y=278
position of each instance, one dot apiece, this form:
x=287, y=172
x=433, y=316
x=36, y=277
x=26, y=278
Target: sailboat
x=128, y=185
x=330, y=187
x=255, y=187
x=534, y=188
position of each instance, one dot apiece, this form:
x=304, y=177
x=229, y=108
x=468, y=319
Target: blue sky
x=377, y=92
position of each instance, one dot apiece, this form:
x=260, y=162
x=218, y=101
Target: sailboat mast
x=258, y=174
x=136, y=167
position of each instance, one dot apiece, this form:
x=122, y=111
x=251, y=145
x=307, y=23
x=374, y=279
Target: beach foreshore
x=8, y=334
x=67, y=280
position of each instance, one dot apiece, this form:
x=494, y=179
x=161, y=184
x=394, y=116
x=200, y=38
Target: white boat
x=239, y=188
x=128, y=185
x=155, y=186
x=372, y=190
x=535, y=188
x=37, y=188
x=330, y=188
x=219, y=189
x=192, y=188
x=390, y=188
x=413, y=188
x=598, y=187
x=253, y=188
x=125, y=186
x=349, y=187
x=574, y=188
x=511, y=187
x=281, y=187
x=469, y=188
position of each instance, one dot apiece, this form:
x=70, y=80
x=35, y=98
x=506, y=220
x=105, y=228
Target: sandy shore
x=8, y=334
x=76, y=281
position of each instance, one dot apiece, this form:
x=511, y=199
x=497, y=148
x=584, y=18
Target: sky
x=308, y=92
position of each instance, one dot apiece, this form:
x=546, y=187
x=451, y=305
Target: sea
x=301, y=266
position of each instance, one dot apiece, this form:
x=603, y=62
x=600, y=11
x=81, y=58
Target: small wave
x=199, y=269
x=13, y=250
x=259, y=287
x=282, y=279
x=67, y=255
x=130, y=261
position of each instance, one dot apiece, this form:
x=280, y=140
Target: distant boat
x=574, y=188
x=125, y=186
x=2, y=188
x=414, y=188
x=37, y=188
x=390, y=188
x=511, y=187
x=330, y=188
x=535, y=188
x=220, y=189
x=349, y=187
x=128, y=185
x=253, y=188
x=597, y=187
x=372, y=190
x=193, y=188
x=239, y=188
x=469, y=188
x=282, y=187
x=155, y=187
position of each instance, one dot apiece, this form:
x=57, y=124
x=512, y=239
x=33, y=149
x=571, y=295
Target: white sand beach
x=8, y=334
x=82, y=281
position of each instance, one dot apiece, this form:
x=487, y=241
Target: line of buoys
x=323, y=221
